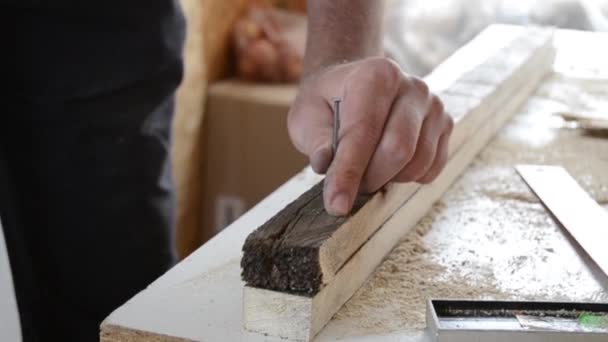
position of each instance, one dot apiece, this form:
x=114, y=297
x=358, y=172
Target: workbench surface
x=488, y=232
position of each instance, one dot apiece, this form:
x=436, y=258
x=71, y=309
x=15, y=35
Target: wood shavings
x=395, y=296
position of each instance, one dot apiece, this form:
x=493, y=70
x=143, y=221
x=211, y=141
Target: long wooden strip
x=302, y=247
x=581, y=216
x=301, y=317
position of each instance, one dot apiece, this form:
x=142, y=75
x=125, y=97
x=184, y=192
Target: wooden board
x=302, y=248
x=583, y=218
x=593, y=122
x=186, y=130
x=200, y=299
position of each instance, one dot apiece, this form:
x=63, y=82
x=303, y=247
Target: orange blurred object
x=268, y=42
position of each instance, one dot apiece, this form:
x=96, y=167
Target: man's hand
x=392, y=129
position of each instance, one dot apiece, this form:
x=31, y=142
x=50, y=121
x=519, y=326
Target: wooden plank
x=593, y=122
x=187, y=124
x=112, y=333
x=299, y=317
x=582, y=217
x=301, y=249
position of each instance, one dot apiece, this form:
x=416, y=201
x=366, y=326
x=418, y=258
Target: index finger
x=364, y=109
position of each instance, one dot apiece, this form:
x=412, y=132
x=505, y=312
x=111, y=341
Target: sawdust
x=394, y=298
x=497, y=241
x=537, y=136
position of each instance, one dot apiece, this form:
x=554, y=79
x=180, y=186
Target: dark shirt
x=88, y=99
x=69, y=49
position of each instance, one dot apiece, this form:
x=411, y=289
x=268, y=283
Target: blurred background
x=243, y=62
x=420, y=34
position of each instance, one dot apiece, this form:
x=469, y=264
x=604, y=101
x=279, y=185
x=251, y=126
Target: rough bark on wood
x=283, y=254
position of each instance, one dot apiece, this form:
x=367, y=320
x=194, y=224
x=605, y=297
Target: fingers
x=435, y=123
x=310, y=118
x=392, y=129
x=310, y=128
x=398, y=143
x=369, y=95
x=441, y=159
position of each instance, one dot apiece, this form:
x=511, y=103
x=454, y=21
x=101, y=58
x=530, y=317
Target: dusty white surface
x=10, y=329
x=478, y=234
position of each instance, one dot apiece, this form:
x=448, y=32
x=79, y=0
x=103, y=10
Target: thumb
x=310, y=124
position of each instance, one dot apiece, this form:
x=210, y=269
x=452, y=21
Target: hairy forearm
x=342, y=30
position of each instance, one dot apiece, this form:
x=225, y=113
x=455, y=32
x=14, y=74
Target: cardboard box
x=248, y=153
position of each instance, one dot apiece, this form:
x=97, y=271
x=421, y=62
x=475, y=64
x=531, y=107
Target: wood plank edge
x=116, y=333
x=582, y=218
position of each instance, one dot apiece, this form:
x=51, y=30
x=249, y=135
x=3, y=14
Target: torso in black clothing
x=68, y=49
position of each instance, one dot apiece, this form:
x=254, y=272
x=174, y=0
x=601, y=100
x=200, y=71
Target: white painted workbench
x=200, y=299
x=10, y=329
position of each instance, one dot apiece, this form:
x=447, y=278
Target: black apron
x=86, y=199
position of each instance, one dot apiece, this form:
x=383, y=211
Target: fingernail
x=339, y=205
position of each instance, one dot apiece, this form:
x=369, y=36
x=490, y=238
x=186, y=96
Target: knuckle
x=399, y=148
x=449, y=124
x=436, y=107
x=421, y=163
x=405, y=175
x=433, y=173
x=384, y=71
x=427, y=154
x=425, y=145
x=420, y=86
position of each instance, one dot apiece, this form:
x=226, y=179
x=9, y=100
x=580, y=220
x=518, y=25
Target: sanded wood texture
x=271, y=312
x=112, y=333
x=303, y=247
